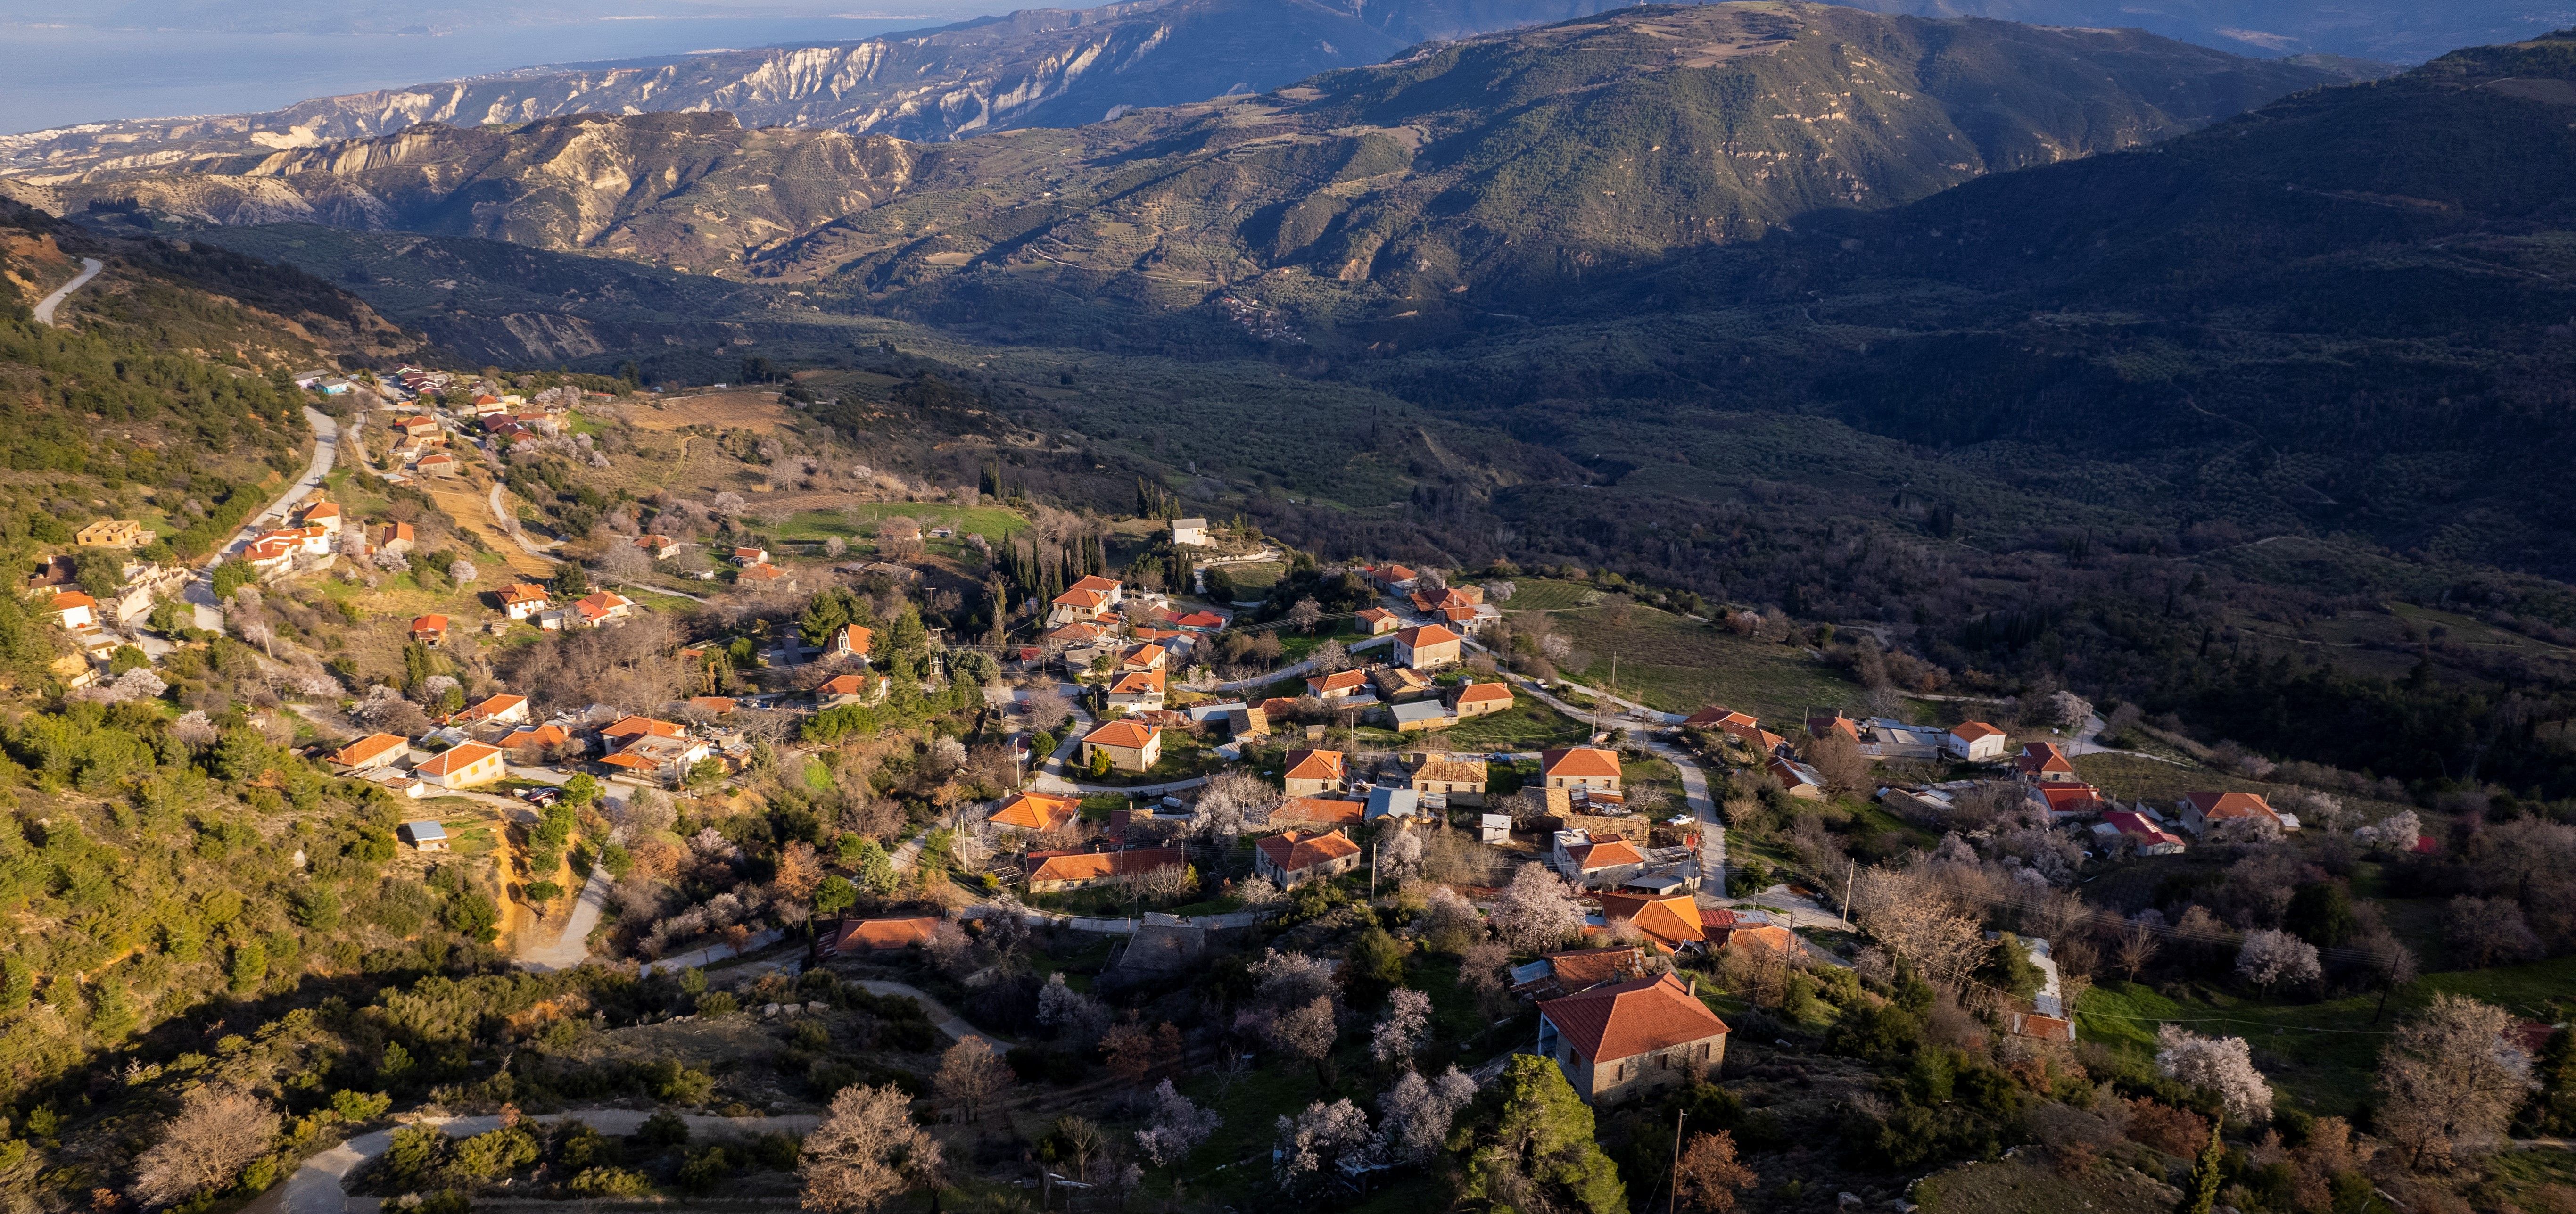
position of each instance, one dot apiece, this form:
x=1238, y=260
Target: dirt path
x=316, y=1188
x=469, y=510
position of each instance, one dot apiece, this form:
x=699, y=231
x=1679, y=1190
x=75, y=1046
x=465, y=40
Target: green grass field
x=1526, y=725
x=1673, y=664
x=991, y=522
x=2321, y=1053
x=1548, y=594
x=2130, y=778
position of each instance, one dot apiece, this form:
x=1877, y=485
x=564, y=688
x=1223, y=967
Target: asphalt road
x=90, y=266
x=200, y=591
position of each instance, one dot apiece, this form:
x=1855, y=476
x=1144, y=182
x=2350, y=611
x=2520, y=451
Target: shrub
x=610, y=1182
x=705, y=1170
x=662, y=1129
x=718, y=1003
x=357, y=1107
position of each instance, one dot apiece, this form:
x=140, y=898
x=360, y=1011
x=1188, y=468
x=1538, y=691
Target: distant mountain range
x=1500, y=165
x=1036, y=67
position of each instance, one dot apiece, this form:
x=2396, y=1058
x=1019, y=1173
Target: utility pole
x=1673, y=1192
x=1851, y=869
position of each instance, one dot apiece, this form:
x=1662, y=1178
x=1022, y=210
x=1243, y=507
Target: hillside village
x=1051, y=876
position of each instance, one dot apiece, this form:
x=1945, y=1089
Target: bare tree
x=1233, y=801
x=1838, y=759
x=1709, y=1175
x=1306, y=1032
x=2451, y=1080
x=866, y=1152
x=1331, y=657
x=1918, y=919
x=1305, y=614
x=217, y=1131
x=971, y=1076
x=1047, y=708
x=2489, y=931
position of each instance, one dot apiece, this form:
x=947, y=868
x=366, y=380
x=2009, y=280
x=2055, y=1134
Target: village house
x=1976, y=742
x=2065, y=800
x=1626, y=1039
x=1739, y=726
x=1580, y=767
x=1674, y=921
x=1396, y=579
x=372, y=751
x=1057, y=872
x=663, y=758
x=78, y=612
x=1418, y=716
x=1091, y=598
x=1379, y=621
x=463, y=765
x=1131, y=747
x=603, y=607
x=1456, y=779
x=748, y=557
x=1595, y=865
x=1426, y=647
x=2203, y=812
x=714, y=706
x=395, y=538
x=1796, y=779
x=765, y=574
x=436, y=463
x=1481, y=699
x=1312, y=772
x=849, y=642
x=626, y=729
x=851, y=689
x=1555, y=974
x=1293, y=858
x=519, y=600
x=429, y=631
x=113, y=533
x=1396, y=683
x=659, y=547
x=1190, y=532
x=1138, y=690
x=1883, y=738
x=2144, y=835
x=420, y=428
x=536, y=745
x=1339, y=685
x=1036, y=813
x=504, y=709
x=2043, y=763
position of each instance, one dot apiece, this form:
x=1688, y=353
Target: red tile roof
x=1086, y=866
x=368, y=749
x=1125, y=735
x=1292, y=851
x=1424, y=636
x=456, y=759
x=1581, y=762
x=885, y=933
x=2219, y=806
x=1670, y=921
x=1339, y=680
x=428, y=623
x=636, y=727
x=1631, y=1018
x=1970, y=731
x=1036, y=811
x=1478, y=693
x=1319, y=811
x=1314, y=765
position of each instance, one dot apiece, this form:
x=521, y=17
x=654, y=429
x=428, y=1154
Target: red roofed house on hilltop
x=1629, y=1038
x=76, y=610
x=1091, y=598
x=1291, y=858
x=1397, y=579
x=1138, y=691
x=1596, y=865
x=2148, y=838
x=393, y=537
x=603, y=607
x=1319, y=811
x=1426, y=647
x=1130, y=746
x=1379, y=621
x=1736, y=725
x=1339, y=685
x=1311, y=772
x=1580, y=767
x=2067, y=799
x=851, y=689
x=1975, y=742
x=860, y=936
x=2205, y=811
x=748, y=557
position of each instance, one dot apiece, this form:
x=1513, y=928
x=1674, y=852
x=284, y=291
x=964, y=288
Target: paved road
x=200, y=591
x=571, y=947
x=90, y=266
x=316, y=1188
x=515, y=531
x=1695, y=791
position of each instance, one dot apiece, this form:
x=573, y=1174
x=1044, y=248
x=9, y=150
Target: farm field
x=1677, y=665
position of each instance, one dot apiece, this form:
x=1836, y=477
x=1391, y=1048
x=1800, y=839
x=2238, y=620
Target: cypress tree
x=2201, y=1191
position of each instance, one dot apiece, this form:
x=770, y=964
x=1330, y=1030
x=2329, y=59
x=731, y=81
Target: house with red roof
x=1339, y=685
x=1379, y=621
x=1036, y=813
x=1329, y=812
x=1313, y=772
x=1626, y=1039
x=1975, y=742
x=1060, y=871
x=77, y=611
x=2066, y=799
x=429, y=630
x=1138, y=691
x=503, y=709
x=1293, y=858
x=1596, y=865
x=1580, y=767
x=1673, y=921
x=2203, y=812
x=520, y=600
x=2043, y=763
x=1201, y=622
x=1739, y=726
x=1479, y=699
x=372, y=751
x=1131, y=747
x=462, y=766
x=2142, y=832
x=849, y=641
x=1427, y=647
x=858, y=937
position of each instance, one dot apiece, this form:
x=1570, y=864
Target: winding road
x=200, y=592
x=316, y=1188
x=90, y=266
